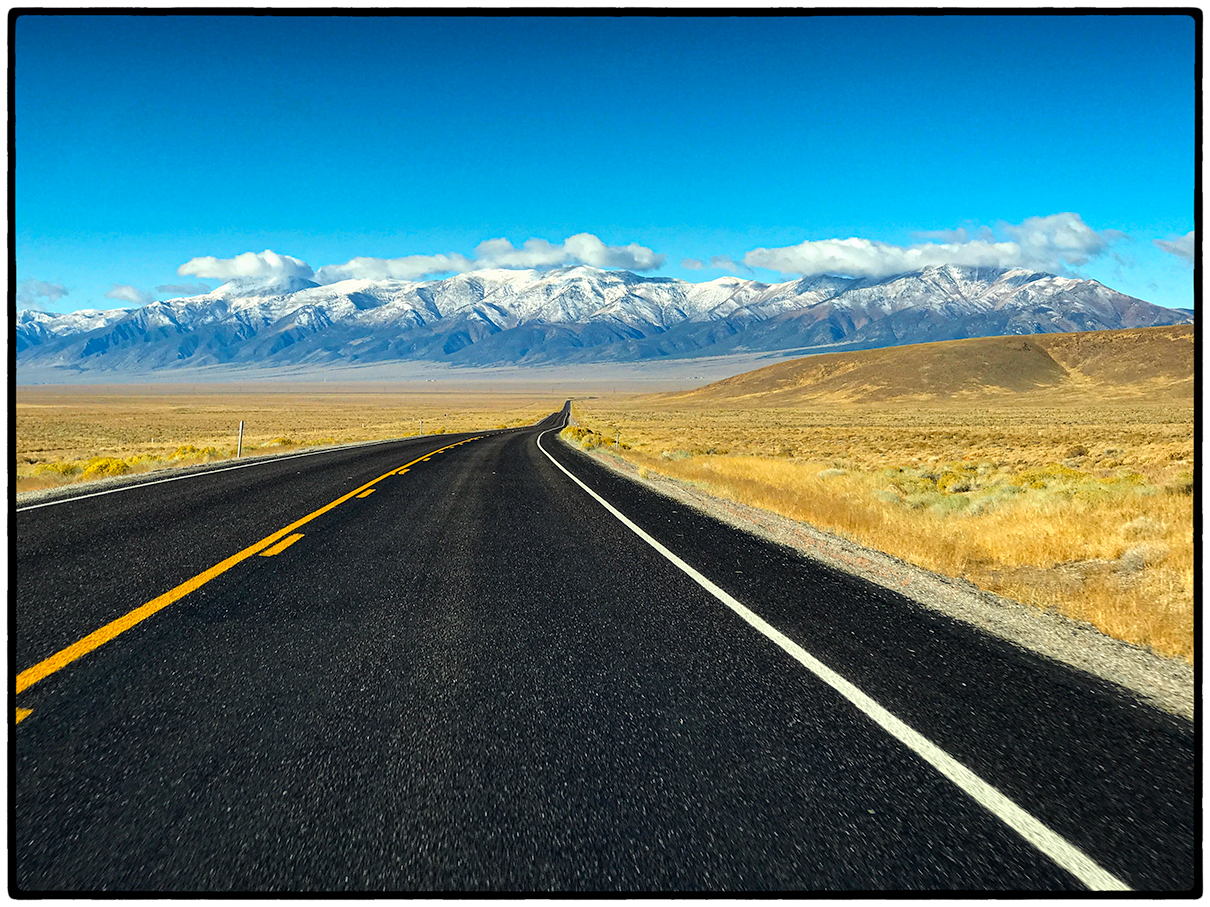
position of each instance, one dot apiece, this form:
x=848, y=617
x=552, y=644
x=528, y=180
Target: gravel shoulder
x=1168, y=683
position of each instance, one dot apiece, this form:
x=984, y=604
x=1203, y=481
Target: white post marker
x=1064, y=854
x=239, y=444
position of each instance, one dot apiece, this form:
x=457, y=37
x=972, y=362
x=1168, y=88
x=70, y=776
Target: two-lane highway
x=470, y=675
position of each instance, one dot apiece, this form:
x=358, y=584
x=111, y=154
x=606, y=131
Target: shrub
x=954, y=482
x=56, y=468
x=576, y=433
x=1183, y=484
x=100, y=467
x=1052, y=476
x=189, y=452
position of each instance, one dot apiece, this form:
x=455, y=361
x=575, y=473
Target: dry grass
x=1139, y=364
x=1084, y=508
x=73, y=434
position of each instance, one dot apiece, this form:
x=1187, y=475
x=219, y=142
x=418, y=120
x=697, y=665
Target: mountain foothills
x=1154, y=364
x=576, y=314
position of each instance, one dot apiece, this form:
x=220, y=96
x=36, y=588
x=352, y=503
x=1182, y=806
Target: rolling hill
x=1155, y=363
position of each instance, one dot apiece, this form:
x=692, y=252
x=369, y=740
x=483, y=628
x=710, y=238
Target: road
x=475, y=677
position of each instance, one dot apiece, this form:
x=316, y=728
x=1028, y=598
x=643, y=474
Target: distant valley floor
x=647, y=376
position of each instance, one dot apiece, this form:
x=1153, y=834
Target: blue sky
x=154, y=152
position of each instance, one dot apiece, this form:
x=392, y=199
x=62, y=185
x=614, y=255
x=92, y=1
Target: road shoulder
x=1167, y=683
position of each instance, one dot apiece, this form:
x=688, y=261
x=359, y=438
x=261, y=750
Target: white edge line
x=1065, y=854
x=260, y=461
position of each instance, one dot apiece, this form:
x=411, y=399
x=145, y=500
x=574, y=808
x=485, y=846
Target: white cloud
x=583, y=248
x=183, y=289
x=727, y=263
x=249, y=264
x=960, y=235
x=31, y=293
x=586, y=248
x=1182, y=246
x=1062, y=239
x=693, y=264
x=127, y=293
x=534, y=253
x=1052, y=243
x=410, y=267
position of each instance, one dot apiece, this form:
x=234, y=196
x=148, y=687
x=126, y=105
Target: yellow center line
x=286, y=542
x=97, y=638
x=23, y=713
x=366, y=494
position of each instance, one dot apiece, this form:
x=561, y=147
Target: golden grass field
x=1065, y=482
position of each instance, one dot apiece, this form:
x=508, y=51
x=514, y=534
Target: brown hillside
x=1132, y=363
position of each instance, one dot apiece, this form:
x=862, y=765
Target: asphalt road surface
x=475, y=677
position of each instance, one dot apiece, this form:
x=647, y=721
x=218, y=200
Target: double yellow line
x=64, y=657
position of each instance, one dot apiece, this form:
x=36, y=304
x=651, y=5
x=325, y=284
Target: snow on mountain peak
x=247, y=287
x=270, y=320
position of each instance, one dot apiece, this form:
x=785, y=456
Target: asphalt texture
x=476, y=679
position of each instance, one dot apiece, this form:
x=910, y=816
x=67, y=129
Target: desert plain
x=1056, y=470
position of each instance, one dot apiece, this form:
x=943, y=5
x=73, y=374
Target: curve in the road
x=470, y=678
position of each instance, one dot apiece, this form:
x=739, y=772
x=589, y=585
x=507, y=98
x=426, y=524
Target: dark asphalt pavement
x=477, y=679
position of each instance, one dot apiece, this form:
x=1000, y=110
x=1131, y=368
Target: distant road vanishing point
x=483, y=662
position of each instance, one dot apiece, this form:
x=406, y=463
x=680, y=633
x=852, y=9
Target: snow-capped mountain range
x=569, y=314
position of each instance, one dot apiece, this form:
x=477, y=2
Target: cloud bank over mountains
x=249, y=264
x=583, y=248
x=1056, y=243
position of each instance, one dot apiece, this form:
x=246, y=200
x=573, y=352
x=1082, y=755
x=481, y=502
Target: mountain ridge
x=570, y=314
